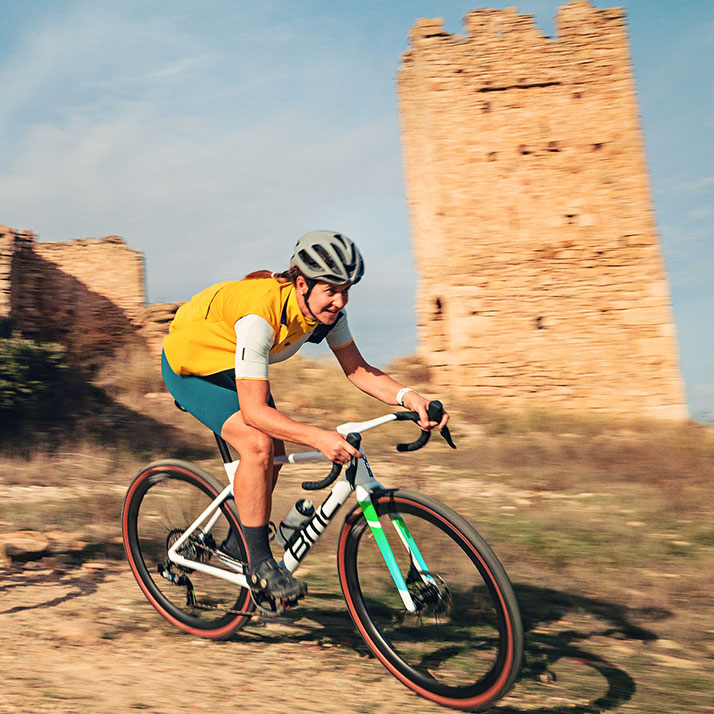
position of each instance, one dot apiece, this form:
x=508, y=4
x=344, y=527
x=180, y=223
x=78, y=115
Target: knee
x=258, y=451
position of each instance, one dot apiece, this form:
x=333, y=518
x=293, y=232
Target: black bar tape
x=352, y=438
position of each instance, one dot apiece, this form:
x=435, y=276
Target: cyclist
x=215, y=364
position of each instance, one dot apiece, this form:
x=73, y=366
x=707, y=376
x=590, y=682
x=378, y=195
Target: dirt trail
x=81, y=637
x=85, y=640
x=77, y=635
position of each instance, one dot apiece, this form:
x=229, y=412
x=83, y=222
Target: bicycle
x=425, y=591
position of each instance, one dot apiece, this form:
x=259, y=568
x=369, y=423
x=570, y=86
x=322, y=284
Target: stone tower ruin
x=540, y=276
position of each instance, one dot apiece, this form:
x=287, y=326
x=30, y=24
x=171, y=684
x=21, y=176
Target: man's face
x=326, y=300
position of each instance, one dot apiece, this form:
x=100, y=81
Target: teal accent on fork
x=380, y=538
x=411, y=546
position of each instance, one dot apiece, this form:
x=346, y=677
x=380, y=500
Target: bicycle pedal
x=268, y=607
x=265, y=604
x=290, y=604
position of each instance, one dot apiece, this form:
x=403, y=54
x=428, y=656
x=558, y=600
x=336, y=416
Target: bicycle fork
x=364, y=498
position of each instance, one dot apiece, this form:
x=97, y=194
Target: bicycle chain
x=227, y=610
x=259, y=609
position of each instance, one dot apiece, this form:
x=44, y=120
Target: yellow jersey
x=204, y=337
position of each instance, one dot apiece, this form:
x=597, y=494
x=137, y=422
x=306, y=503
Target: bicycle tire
x=465, y=657
x=162, y=501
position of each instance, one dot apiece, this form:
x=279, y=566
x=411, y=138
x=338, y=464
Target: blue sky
x=211, y=134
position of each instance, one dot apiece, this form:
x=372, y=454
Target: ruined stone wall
x=107, y=267
x=86, y=293
x=15, y=248
x=155, y=323
x=540, y=275
x=10, y=242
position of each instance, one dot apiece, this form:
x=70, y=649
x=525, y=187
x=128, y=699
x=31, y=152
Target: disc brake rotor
x=430, y=594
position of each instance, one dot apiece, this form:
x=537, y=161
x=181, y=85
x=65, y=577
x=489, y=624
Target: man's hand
x=414, y=402
x=335, y=447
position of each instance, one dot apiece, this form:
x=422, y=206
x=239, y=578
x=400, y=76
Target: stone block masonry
x=86, y=293
x=541, y=282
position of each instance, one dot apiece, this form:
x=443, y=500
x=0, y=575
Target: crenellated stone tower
x=540, y=275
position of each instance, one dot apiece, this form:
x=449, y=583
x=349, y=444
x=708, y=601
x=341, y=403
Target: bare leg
x=278, y=450
x=255, y=476
x=253, y=486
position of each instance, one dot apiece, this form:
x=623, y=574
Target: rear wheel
x=162, y=502
x=463, y=646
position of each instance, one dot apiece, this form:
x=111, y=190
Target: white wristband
x=401, y=393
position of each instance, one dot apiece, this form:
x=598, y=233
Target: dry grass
x=136, y=374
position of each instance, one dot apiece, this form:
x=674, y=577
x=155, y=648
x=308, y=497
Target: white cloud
x=688, y=187
x=169, y=185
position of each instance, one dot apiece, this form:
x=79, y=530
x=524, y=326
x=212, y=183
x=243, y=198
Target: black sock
x=256, y=538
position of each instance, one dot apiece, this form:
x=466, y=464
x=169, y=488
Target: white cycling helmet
x=329, y=257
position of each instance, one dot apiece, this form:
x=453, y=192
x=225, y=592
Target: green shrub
x=32, y=380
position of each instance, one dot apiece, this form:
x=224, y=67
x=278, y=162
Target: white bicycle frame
x=364, y=484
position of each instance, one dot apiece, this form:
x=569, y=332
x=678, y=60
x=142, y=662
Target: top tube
x=344, y=429
x=360, y=426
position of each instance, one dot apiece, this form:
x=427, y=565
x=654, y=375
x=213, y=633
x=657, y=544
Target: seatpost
x=223, y=448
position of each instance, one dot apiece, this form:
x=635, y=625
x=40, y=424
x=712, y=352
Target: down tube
x=308, y=535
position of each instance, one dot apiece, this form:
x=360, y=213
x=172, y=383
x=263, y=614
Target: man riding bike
x=215, y=363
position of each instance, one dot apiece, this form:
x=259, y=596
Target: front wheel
x=162, y=502
x=463, y=647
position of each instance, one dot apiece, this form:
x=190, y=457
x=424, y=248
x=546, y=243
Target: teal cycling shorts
x=211, y=399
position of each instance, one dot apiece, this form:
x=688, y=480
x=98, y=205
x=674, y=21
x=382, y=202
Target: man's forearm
x=376, y=383
x=276, y=424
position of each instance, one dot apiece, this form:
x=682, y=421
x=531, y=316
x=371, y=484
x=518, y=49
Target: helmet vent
x=328, y=256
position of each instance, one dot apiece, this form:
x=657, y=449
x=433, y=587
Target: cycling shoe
x=270, y=580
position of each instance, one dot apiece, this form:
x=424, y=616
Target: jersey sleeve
x=254, y=339
x=340, y=336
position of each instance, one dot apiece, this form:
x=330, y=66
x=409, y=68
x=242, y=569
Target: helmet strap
x=310, y=285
